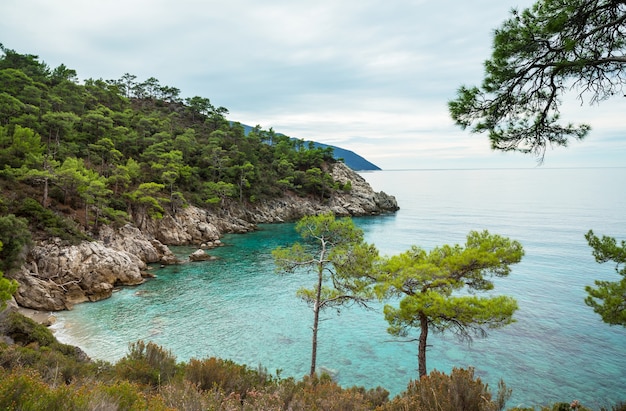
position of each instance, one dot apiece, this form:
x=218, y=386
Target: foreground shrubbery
x=39, y=373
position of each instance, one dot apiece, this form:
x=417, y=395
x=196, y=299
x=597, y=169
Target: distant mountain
x=350, y=158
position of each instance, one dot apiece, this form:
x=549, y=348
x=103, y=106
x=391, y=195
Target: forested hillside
x=77, y=154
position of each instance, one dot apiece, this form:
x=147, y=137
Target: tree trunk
x=316, y=320
x=86, y=216
x=421, y=353
x=44, y=201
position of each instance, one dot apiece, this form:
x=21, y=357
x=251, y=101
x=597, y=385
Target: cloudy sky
x=372, y=76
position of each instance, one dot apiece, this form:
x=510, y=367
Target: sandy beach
x=42, y=317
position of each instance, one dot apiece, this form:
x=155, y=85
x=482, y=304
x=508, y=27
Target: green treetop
x=335, y=252
x=426, y=281
x=7, y=288
x=538, y=55
x=608, y=298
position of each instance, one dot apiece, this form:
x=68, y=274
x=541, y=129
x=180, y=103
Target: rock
x=134, y=242
x=361, y=199
x=200, y=255
x=58, y=276
x=211, y=244
x=190, y=225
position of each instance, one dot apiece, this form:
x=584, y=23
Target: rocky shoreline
x=56, y=276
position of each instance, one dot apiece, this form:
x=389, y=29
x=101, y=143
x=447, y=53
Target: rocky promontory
x=56, y=275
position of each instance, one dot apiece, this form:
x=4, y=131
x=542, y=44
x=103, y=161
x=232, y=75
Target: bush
x=38, y=350
x=322, y=393
x=458, y=391
x=147, y=364
x=225, y=375
x=14, y=237
x=183, y=395
x=122, y=395
x=25, y=331
x=25, y=390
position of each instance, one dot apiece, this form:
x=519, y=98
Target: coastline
x=46, y=318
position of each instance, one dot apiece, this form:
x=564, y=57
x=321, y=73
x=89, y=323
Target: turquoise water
x=236, y=307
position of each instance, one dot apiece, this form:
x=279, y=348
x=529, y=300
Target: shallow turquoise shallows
x=236, y=307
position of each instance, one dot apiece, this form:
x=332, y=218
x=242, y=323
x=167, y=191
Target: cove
x=237, y=308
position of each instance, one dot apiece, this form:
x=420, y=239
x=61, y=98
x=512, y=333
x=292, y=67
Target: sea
x=236, y=307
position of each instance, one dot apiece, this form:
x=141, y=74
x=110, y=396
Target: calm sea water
x=236, y=307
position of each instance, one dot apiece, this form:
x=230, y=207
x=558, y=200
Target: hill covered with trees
x=99, y=150
x=81, y=160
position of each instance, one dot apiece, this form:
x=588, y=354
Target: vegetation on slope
x=37, y=372
x=102, y=151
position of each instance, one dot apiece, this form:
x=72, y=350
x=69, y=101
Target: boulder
x=361, y=199
x=190, y=225
x=200, y=255
x=57, y=276
x=134, y=242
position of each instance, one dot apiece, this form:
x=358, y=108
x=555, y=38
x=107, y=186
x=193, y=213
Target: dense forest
x=75, y=155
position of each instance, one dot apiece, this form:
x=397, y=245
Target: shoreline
x=46, y=318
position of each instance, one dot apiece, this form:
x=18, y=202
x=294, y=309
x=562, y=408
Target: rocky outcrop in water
x=193, y=225
x=361, y=200
x=57, y=275
x=199, y=255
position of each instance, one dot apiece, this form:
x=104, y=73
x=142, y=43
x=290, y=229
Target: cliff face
x=361, y=200
x=57, y=276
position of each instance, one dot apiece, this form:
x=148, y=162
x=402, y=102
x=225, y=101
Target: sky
x=371, y=76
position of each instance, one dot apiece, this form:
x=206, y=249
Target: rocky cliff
x=56, y=275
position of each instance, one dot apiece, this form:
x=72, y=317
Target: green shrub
x=25, y=390
x=559, y=406
x=25, y=331
x=14, y=238
x=183, y=395
x=147, y=364
x=52, y=365
x=458, y=391
x=115, y=217
x=8, y=287
x=122, y=395
x=322, y=393
x=227, y=376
